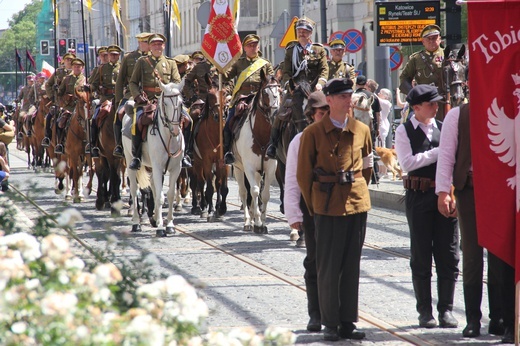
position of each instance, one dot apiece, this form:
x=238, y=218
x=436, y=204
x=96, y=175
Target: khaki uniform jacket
x=317, y=66
x=426, y=68
x=125, y=73
x=105, y=84
x=143, y=77
x=66, y=92
x=342, y=70
x=197, y=73
x=252, y=83
x=324, y=146
x=56, y=78
x=27, y=97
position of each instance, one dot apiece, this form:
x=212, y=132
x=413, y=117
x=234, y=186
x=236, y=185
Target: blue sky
x=8, y=8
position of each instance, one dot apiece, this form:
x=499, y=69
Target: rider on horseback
x=247, y=71
x=144, y=86
x=105, y=87
x=28, y=96
x=304, y=60
x=122, y=89
x=51, y=87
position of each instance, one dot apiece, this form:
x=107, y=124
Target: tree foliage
x=22, y=35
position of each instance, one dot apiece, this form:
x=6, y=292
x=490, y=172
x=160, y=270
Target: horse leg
x=209, y=197
x=115, y=183
x=222, y=207
x=280, y=178
x=171, y=196
x=242, y=191
x=195, y=208
x=136, y=222
x=255, y=181
x=157, y=188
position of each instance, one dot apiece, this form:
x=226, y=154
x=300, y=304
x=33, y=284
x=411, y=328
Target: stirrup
x=46, y=142
x=229, y=158
x=271, y=152
x=135, y=164
x=20, y=135
x=94, y=152
x=58, y=149
x=118, y=151
x=87, y=148
x=186, y=162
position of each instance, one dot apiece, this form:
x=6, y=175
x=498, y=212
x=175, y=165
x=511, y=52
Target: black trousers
x=431, y=234
x=506, y=275
x=339, y=240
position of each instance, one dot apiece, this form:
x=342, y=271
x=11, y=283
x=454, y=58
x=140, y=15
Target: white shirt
x=407, y=160
x=292, y=193
x=384, y=127
x=447, y=151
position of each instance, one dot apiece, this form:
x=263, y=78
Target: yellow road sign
x=290, y=33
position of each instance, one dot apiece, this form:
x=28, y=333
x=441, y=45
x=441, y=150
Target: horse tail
x=143, y=178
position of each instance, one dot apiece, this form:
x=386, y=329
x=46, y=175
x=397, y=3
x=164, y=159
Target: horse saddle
x=63, y=119
x=104, y=111
x=196, y=109
x=146, y=118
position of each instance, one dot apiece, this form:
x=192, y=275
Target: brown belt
x=334, y=178
x=418, y=183
x=152, y=89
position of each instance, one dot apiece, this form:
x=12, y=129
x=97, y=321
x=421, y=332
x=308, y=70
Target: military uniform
x=67, y=96
x=341, y=70
x=28, y=98
x=307, y=63
x=199, y=90
x=145, y=78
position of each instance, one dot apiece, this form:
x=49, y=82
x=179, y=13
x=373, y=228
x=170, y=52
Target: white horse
x=362, y=107
x=163, y=152
x=251, y=162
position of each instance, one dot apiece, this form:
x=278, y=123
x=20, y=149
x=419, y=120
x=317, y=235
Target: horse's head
x=454, y=72
x=269, y=94
x=300, y=95
x=170, y=107
x=362, y=107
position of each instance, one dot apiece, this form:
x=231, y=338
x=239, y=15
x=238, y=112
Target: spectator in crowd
x=385, y=100
x=4, y=164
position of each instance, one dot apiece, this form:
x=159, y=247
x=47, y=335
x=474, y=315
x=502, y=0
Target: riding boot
x=423, y=296
x=118, y=150
x=92, y=146
x=186, y=160
x=137, y=146
x=229, y=158
x=273, y=143
x=28, y=123
x=446, y=291
x=472, y=301
x=59, y=147
x=46, y=141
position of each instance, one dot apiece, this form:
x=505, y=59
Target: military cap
x=250, y=39
x=361, y=80
x=101, y=50
x=143, y=37
x=114, y=49
x=423, y=93
x=430, y=30
x=41, y=75
x=305, y=23
x=197, y=55
x=156, y=37
x=338, y=86
x=30, y=77
x=317, y=100
x=69, y=56
x=337, y=44
x=181, y=58
x=78, y=61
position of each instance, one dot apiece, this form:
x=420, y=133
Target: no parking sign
x=354, y=40
x=396, y=58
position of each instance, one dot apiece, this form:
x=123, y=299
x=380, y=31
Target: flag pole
x=85, y=51
x=15, y=74
x=220, y=117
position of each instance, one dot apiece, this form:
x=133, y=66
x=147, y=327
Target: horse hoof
x=204, y=215
x=136, y=228
x=264, y=230
x=78, y=200
x=195, y=211
x=160, y=233
x=248, y=228
x=130, y=212
x=115, y=212
x=258, y=229
x=170, y=230
x=107, y=205
x=178, y=207
x=282, y=209
x=153, y=223
x=68, y=198
x=99, y=205
x=222, y=210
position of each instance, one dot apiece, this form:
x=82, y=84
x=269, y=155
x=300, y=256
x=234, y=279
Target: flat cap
x=78, y=61
x=143, y=37
x=250, y=39
x=69, y=56
x=114, y=49
x=430, y=30
x=338, y=86
x=181, y=58
x=337, y=44
x=361, y=80
x=156, y=37
x=423, y=93
x=305, y=23
x=317, y=100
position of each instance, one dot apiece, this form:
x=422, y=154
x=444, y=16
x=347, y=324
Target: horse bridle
x=269, y=90
x=173, y=125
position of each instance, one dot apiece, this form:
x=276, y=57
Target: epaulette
x=414, y=54
x=317, y=44
x=291, y=44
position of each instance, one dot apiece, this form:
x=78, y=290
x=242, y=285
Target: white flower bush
x=48, y=297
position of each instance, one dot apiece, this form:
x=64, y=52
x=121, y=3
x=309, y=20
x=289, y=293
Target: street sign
x=203, y=13
x=290, y=34
x=82, y=48
x=396, y=58
x=336, y=35
x=401, y=23
x=354, y=40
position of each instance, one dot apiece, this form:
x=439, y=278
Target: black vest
x=420, y=143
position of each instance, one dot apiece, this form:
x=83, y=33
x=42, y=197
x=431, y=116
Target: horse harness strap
x=155, y=126
x=245, y=74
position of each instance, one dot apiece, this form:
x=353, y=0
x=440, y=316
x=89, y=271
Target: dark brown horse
x=208, y=164
x=38, y=132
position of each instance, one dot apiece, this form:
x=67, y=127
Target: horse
x=454, y=74
x=294, y=121
x=38, y=134
x=162, y=151
x=250, y=148
x=108, y=170
x=208, y=164
x=362, y=108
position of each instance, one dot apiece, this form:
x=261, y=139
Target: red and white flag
x=494, y=47
x=221, y=44
x=47, y=69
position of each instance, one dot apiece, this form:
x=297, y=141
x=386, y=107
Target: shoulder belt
x=245, y=74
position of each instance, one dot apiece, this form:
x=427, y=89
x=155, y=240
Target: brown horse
x=108, y=166
x=208, y=164
x=38, y=133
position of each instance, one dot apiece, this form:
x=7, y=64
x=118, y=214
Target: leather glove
x=141, y=99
